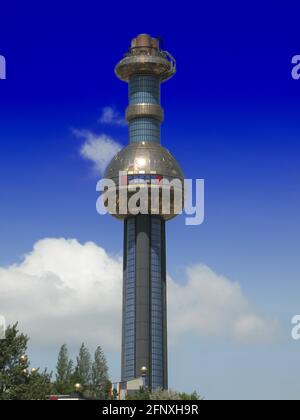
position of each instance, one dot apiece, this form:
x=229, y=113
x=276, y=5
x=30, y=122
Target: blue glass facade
x=144, y=89
x=144, y=301
x=129, y=295
x=144, y=129
x=156, y=304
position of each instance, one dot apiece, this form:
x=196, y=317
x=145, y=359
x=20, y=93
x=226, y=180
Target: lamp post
x=144, y=372
x=23, y=359
x=78, y=389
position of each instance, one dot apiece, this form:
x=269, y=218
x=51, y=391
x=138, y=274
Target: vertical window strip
x=130, y=302
x=156, y=309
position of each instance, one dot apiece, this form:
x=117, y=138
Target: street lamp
x=23, y=359
x=144, y=372
x=25, y=372
x=78, y=388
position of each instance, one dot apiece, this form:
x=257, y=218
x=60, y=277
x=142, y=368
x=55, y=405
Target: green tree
x=64, y=369
x=162, y=394
x=99, y=374
x=64, y=365
x=193, y=396
x=141, y=394
x=38, y=386
x=17, y=382
x=83, y=369
x=107, y=390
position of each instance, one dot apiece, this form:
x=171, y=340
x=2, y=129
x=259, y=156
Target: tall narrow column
x=144, y=300
x=145, y=162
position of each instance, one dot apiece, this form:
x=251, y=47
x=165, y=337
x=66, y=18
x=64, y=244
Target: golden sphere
x=144, y=370
x=34, y=370
x=25, y=372
x=145, y=163
x=78, y=387
x=24, y=359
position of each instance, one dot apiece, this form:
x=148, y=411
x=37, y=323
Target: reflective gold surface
x=144, y=110
x=146, y=158
x=145, y=57
x=143, y=64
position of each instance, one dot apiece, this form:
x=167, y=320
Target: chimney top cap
x=146, y=41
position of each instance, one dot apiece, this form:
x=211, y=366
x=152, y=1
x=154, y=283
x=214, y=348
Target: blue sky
x=232, y=118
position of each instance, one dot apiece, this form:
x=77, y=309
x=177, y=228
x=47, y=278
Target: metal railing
x=152, y=51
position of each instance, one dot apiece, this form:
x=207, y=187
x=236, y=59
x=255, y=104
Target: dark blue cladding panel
x=129, y=318
x=156, y=304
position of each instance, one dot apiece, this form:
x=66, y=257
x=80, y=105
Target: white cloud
x=211, y=304
x=250, y=327
x=110, y=116
x=64, y=291
x=99, y=149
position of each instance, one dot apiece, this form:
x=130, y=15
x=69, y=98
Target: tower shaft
x=144, y=334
